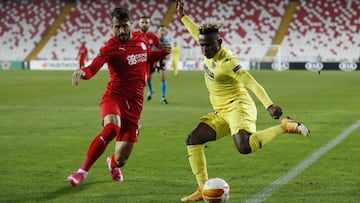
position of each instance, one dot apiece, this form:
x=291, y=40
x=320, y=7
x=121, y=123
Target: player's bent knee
x=110, y=131
x=192, y=140
x=242, y=142
x=244, y=150
x=188, y=140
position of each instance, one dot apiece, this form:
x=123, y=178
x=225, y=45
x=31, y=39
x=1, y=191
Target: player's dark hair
x=161, y=25
x=209, y=28
x=144, y=17
x=121, y=14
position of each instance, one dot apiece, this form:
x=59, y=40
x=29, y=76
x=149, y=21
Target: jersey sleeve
x=94, y=67
x=156, y=40
x=156, y=55
x=250, y=83
x=191, y=27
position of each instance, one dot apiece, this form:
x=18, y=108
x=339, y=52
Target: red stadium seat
x=331, y=27
x=23, y=24
x=244, y=22
x=90, y=21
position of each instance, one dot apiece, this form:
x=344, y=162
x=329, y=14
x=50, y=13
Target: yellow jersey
x=175, y=52
x=225, y=79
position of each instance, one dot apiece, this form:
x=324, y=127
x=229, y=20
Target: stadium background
x=42, y=116
x=277, y=34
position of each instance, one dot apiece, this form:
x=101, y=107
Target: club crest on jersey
x=213, y=64
x=238, y=67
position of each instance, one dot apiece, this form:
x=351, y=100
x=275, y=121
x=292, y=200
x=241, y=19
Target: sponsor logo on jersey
x=136, y=58
x=209, y=72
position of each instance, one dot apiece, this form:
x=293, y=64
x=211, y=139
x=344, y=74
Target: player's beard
x=124, y=37
x=144, y=29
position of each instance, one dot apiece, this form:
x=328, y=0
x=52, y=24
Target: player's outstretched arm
x=76, y=76
x=189, y=24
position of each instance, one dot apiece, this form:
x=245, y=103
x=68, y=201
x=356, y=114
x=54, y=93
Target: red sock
x=113, y=163
x=99, y=144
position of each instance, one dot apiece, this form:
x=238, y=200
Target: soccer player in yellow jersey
x=175, y=56
x=235, y=111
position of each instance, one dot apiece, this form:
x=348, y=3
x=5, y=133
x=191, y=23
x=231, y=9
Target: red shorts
x=129, y=131
x=82, y=61
x=129, y=112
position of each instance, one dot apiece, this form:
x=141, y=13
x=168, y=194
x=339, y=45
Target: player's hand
x=180, y=8
x=275, y=111
x=166, y=48
x=76, y=76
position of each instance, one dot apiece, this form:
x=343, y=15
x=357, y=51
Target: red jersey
x=127, y=63
x=83, y=53
x=152, y=39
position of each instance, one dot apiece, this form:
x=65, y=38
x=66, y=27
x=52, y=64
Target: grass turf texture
x=47, y=125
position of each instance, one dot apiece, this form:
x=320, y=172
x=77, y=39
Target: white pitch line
x=270, y=189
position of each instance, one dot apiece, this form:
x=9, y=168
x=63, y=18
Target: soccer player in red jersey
x=82, y=55
x=153, y=43
x=128, y=57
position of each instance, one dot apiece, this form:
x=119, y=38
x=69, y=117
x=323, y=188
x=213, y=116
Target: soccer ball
x=216, y=190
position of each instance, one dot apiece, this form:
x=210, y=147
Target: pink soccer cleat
x=115, y=173
x=76, y=178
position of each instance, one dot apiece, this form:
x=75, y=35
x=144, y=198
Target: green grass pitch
x=47, y=125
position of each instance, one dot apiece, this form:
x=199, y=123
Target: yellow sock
x=262, y=137
x=197, y=162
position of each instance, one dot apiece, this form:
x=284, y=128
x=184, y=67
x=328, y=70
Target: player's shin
x=262, y=137
x=197, y=162
x=150, y=86
x=99, y=144
x=163, y=87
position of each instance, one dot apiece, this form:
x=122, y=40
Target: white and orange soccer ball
x=216, y=190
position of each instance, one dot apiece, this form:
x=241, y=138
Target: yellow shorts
x=239, y=115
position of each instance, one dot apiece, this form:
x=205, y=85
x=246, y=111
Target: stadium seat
x=90, y=21
x=23, y=24
x=248, y=22
x=326, y=30
x=329, y=30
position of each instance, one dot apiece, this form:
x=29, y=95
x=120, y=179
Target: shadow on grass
x=66, y=190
